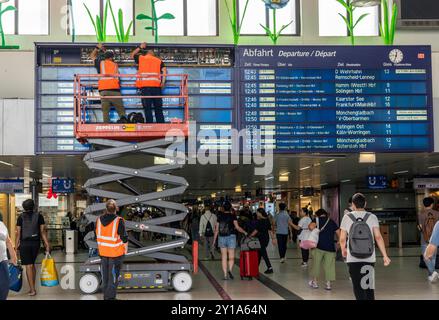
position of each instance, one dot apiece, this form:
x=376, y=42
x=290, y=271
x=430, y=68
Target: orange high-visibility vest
x=109, y=242
x=149, y=70
x=109, y=83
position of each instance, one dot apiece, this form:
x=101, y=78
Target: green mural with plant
x=71, y=17
x=350, y=22
x=388, y=26
x=99, y=24
x=233, y=18
x=273, y=6
x=154, y=27
x=2, y=32
x=121, y=34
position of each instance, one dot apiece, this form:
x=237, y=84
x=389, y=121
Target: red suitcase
x=249, y=264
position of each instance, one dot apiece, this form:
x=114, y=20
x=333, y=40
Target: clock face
x=396, y=56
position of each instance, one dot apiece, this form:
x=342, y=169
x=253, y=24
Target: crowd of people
x=220, y=228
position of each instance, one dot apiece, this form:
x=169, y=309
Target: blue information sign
x=377, y=182
x=63, y=185
x=338, y=98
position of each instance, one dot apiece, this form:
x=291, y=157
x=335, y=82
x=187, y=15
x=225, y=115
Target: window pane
x=171, y=27
x=33, y=17
x=8, y=18
x=369, y=26
x=201, y=17
x=127, y=7
x=83, y=24
x=256, y=15
x=330, y=23
x=284, y=16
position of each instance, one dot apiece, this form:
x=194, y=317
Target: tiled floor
x=402, y=280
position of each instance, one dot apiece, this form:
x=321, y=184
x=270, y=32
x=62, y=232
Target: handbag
x=15, y=277
x=49, y=275
x=313, y=238
x=250, y=243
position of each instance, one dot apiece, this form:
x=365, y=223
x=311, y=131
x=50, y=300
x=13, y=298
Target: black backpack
x=136, y=117
x=209, y=229
x=30, y=229
x=224, y=228
x=361, y=241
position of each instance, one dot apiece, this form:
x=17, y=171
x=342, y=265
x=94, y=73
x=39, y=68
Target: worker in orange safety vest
x=151, y=83
x=112, y=242
x=108, y=85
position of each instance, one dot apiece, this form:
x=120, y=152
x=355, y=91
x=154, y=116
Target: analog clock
x=396, y=56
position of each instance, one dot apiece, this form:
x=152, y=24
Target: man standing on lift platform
x=153, y=72
x=108, y=85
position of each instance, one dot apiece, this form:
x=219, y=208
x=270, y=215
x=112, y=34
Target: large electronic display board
x=337, y=98
x=211, y=90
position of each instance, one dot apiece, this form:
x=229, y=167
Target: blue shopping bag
x=15, y=278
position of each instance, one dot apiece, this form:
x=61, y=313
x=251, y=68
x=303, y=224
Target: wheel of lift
x=182, y=281
x=89, y=283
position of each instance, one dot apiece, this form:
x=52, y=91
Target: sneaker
x=269, y=271
x=328, y=286
x=313, y=284
x=225, y=278
x=434, y=277
x=282, y=260
x=231, y=275
x=304, y=264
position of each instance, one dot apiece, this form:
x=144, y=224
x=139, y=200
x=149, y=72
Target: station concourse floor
x=403, y=280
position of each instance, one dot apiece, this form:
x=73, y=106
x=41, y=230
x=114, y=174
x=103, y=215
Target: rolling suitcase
x=249, y=264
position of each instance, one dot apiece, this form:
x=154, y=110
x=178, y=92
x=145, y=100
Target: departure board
x=337, y=98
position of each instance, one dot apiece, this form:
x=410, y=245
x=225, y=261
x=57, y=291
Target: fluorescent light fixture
x=283, y=178
x=323, y=184
x=284, y=173
x=6, y=163
x=344, y=181
x=367, y=157
x=257, y=181
x=434, y=167
x=46, y=175
x=269, y=178
x=329, y=161
x=317, y=164
x=401, y=172
x=213, y=195
x=305, y=168
x=29, y=170
x=238, y=189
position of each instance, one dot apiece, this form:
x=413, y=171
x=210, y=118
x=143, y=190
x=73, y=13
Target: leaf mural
x=154, y=27
x=2, y=12
x=349, y=20
x=274, y=34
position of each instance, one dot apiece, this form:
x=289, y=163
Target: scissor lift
x=111, y=142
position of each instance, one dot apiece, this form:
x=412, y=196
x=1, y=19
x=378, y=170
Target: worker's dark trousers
x=363, y=280
x=148, y=103
x=110, y=269
x=4, y=280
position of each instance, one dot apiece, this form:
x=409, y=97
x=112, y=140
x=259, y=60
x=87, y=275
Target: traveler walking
x=282, y=222
x=360, y=231
x=30, y=230
x=112, y=242
x=225, y=231
x=5, y=247
x=431, y=249
x=207, y=224
x=427, y=219
x=262, y=231
x=303, y=228
x=324, y=254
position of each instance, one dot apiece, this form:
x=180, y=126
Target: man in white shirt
x=207, y=226
x=362, y=269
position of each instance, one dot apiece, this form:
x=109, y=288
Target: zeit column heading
x=337, y=99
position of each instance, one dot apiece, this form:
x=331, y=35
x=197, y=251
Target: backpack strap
x=351, y=215
x=366, y=216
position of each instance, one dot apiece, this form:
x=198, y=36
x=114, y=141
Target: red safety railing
x=86, y=95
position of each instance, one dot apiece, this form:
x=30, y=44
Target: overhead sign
x=377, y=182
x=337, y=98
x=12, y=186
x=426, y=183
x=63, y=186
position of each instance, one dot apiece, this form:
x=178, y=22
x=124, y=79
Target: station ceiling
x=302, y=171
